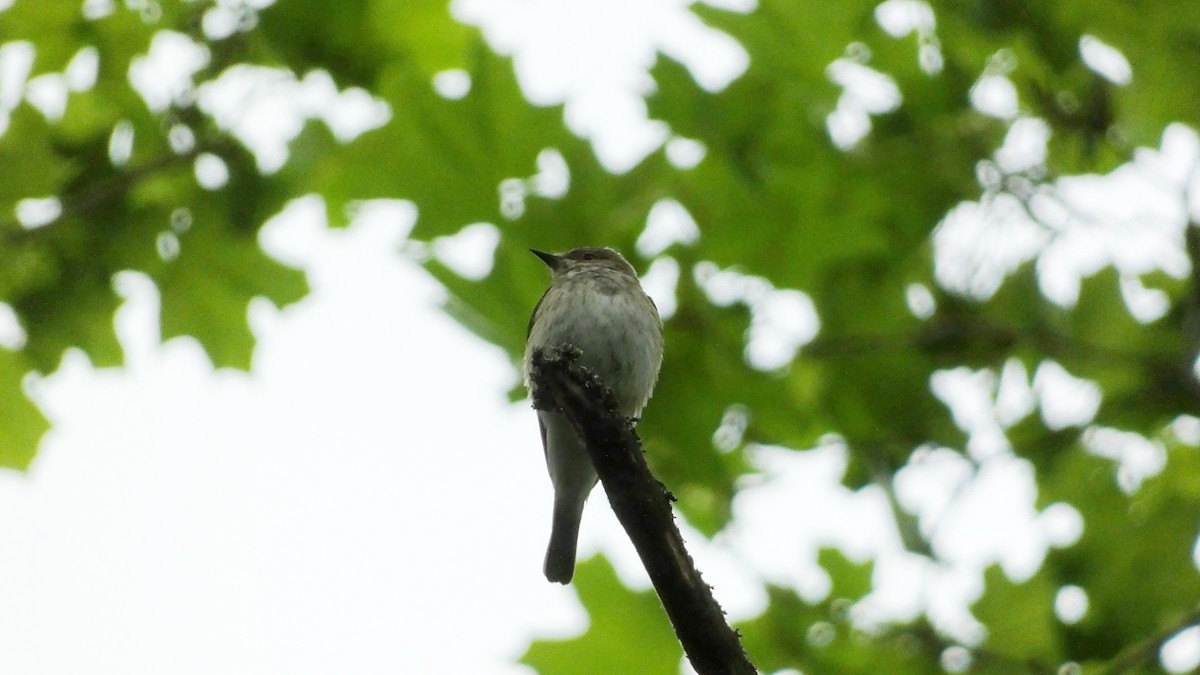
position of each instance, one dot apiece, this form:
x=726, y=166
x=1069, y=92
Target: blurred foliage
x=606, y=647
x=774, y=197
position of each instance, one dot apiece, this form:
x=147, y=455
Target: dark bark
x=643, y=506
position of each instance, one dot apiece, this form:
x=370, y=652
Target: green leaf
x=207, y=289
x=76, y=310
x=447, y=156
x=1144, y=540
x=801, y=205
x=359, y=41
x=341, y=38
x=849, y=580
x=424, y=31
x=628, y=632
x=23, y=424
x=34, y=168
x=820, y=639
x=219, y=267
x=1019, y=617
x=874, y=382
x=52, y=26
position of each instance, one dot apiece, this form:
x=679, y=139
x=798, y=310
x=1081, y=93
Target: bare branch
x=643, y=507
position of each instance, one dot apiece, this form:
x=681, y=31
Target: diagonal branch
x=1140, y=653
x=643, y=506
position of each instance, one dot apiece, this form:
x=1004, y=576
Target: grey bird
x=595, y=303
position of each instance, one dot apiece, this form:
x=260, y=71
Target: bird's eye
x=589, y=256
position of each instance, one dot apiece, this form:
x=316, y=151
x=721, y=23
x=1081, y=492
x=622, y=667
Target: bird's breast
x=617, y=331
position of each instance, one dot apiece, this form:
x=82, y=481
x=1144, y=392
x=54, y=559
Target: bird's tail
x=564, y=537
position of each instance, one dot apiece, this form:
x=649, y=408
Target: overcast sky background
x=366, y=501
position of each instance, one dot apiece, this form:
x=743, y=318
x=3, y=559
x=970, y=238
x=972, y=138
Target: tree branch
x=1191, y=304
x=88, y=195
x=1142, y=652
x=643, y=507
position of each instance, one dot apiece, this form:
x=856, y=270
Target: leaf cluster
x=776, y=201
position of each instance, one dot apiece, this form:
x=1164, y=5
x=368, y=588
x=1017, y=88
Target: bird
x=596, y=304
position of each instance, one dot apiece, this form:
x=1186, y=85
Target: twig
x=642, y=505
x=1190, y=322
x=88, y=195
x=1138, y=653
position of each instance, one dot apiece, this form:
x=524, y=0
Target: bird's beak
x=552, y=261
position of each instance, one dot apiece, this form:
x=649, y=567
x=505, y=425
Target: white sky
x=365, y=501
